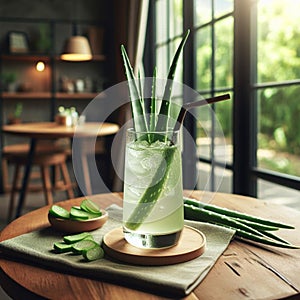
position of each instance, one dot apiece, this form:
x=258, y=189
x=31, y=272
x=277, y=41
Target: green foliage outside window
x=278, y=60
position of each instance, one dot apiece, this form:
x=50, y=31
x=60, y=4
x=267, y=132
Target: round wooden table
x=244, y=271
x=51, y=130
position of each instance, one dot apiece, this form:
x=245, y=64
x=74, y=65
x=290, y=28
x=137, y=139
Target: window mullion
x=189, y=154
x=243, y=182
x=213, y=76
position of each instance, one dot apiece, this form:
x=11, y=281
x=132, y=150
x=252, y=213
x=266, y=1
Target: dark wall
x=65, y=15
x=55, y=9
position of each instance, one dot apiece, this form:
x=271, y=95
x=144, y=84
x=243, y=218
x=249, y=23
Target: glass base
x=150, y=241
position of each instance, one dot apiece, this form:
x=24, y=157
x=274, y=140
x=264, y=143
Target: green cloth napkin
x=173, y=280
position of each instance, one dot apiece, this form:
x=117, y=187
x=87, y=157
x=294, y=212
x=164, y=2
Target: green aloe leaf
x=153, y=192
x=137, y=103
x=141, y=91
x=153, y=106
x=164, y=113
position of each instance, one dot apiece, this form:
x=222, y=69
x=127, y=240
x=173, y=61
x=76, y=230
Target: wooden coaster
x=190, y=245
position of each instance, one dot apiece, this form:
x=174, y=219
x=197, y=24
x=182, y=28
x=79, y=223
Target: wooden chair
x=45, y=159
x=7, y=152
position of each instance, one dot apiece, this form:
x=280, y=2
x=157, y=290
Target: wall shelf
x=83, y=96
x=24, y=57
x=26, y=95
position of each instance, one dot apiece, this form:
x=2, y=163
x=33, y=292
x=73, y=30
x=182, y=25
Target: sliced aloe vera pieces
x=78, y=214
x=87, y=210
x=83, y=245
x=90, y=207
x=93, y=254
x=70, y=239
x=59, y=212
x=62, y=247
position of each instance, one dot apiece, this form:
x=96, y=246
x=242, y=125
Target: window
x=213, y=36
x=250, y=49
x=169, y=30
x=277, y=90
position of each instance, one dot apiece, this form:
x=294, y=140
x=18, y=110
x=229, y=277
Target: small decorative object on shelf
x=17, y=42
x=79, y=85
x=43, y=41
x=66, y=85
x=9, y=82
x=15, y=118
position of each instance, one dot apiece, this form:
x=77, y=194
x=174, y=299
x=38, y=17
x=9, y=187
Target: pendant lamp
x=77, y=48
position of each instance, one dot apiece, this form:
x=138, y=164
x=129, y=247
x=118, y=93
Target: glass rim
x=170, y=130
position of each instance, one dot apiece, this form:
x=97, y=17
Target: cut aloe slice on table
x=59, y=212
x=76, y=237
x=94, y=253
x=90, y=207
x=83, y=245
x=62, y=247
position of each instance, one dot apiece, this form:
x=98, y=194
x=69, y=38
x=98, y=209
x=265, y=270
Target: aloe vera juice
x=153, y=205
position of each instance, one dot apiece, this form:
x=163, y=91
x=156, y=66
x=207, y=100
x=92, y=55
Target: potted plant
x=15, y=118
x=43, y=41
x=9, y=82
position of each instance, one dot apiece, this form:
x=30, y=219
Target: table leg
x=81, y=165
x=86, y=174
x=26, y=177
x=86, y=179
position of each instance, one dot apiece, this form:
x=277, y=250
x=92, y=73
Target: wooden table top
x=53, y=130
x=244, y=271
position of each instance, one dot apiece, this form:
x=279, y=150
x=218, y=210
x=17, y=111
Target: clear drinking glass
x=153, y=203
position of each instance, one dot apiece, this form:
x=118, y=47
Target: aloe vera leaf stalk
x=153, y=102
x=152, y=193
x=195, y=213
x=275, y=237
x=137, y=103
x=164, y=113
x=257, y=226
x=152, y=120
x=252, y=237
x=140, y=87
x=235, y=214
x=198, y=211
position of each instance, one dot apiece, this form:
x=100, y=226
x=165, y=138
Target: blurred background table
x=51, y=130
